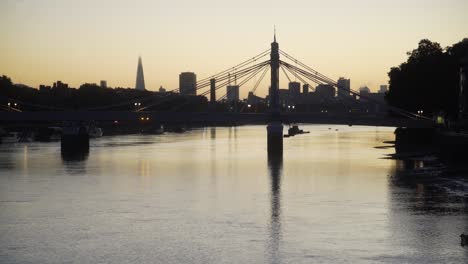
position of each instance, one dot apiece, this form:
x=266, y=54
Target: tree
x=428, y=80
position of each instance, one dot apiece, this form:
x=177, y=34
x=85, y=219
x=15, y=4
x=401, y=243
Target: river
x=212, y=195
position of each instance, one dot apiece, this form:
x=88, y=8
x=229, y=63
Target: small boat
x=294, y=130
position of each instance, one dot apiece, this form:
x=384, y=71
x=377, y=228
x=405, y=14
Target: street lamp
x=137, y=105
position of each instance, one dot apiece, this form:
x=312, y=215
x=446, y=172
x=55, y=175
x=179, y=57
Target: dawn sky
x=88, y=40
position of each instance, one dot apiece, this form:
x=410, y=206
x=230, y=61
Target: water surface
x=212, y=195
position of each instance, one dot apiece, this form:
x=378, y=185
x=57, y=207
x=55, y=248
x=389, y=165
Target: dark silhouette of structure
x=275, y=128
x=140, y=79
x=189, y=102
x=344, y=87
x=188, y=83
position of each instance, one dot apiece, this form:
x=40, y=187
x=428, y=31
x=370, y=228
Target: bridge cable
x=320, y=80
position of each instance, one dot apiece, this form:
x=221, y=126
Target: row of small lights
x=420, y=112
x=14, y=104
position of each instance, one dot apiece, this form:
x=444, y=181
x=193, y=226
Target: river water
x=212, y=195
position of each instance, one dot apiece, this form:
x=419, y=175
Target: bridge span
x=211, y=118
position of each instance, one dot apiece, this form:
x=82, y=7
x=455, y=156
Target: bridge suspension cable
x=241, y=73
x=200, y=85
x=257, y=83
x=234, y=68
x=319, y=78
x=254, y=73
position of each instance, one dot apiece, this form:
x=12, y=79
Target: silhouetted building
x=232, y=93
x=284, y=99
x=364, y=90
x=60, y=85
x=305, y=89
x=161, y=89
x=44, y=88
x=325, y=91
x=140, y=78
x=294, y=90
x=383, y=88
x=103, y=84
x=253, y=99
x=188, y=83
x=344, y=87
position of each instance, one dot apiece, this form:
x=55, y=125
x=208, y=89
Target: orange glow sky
x=89, y=40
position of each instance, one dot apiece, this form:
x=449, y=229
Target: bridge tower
x=274, y=128
x=213, y=91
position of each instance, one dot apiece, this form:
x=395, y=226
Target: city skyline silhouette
x=87, y=42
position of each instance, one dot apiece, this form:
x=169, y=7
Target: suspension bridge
x=273, y=60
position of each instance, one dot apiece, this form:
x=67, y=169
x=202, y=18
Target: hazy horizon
x=86, y=41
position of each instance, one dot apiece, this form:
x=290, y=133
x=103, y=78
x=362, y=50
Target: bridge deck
x=212, y=118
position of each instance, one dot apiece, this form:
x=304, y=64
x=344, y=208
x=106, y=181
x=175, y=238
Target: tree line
x=429, y=79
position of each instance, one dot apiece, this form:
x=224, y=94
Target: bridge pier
x=275, y=138
x=74, y=141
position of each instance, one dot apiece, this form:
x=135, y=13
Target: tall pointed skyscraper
x=140, y=79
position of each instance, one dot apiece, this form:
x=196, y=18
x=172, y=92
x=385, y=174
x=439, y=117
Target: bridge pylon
x=274, y=128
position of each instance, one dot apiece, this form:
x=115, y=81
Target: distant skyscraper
x=305, y=89
x=344, y=87
x=188, y=83
x=232, y=93
x=103, y=84
x=294, y=89
x=325, y=91
x=140, y=79
x=60, y=85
